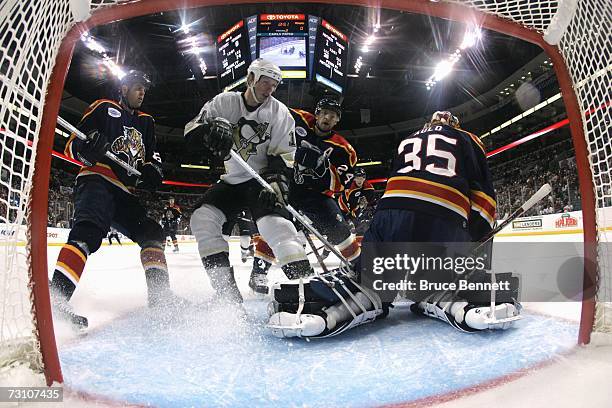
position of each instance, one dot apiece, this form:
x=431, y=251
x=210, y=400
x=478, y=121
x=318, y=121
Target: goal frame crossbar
x=460, y=13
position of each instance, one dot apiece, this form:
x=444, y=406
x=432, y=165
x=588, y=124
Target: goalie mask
x=444, y=118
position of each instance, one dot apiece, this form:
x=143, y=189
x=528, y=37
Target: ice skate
x=258, y=282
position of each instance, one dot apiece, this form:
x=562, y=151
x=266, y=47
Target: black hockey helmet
x=359, y=172
x=331, y=104
x=135, y=77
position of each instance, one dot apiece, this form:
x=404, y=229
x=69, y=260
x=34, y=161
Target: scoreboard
x=232, y=56
x=281, y=38
x=331, y=57
x=304, y=47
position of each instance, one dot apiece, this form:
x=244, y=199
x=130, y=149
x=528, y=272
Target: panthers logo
x=130, y=146
x=248, y=134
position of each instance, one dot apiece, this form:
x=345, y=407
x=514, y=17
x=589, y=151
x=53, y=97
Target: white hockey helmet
x=444, y=118
x=261, y=67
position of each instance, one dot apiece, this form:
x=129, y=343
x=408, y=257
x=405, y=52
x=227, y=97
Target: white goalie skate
x=285, y=324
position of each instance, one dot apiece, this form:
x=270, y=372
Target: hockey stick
x=74, y=130
x=290, y=208
x=533, y=200
x=130, y=170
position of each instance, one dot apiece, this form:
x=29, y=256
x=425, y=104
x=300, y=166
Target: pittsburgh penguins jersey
x=259, y=133
x=349, y=200
x=443, y=171
x=342, y=156
x=171, y=216
x=131, y=138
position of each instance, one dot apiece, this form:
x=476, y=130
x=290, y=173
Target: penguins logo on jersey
x=248, y=135
x=130, y=146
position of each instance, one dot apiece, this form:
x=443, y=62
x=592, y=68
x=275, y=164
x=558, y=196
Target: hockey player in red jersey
x=440, y=191
x=104, y=193
x=324, y=162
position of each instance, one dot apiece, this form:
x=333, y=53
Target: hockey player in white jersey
x=261, y=129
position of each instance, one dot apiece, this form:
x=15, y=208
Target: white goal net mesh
x=30, y=36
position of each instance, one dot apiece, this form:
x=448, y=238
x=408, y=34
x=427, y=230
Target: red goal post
x=38, y=39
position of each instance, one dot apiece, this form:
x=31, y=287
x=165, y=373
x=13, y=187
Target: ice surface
x=215, y=357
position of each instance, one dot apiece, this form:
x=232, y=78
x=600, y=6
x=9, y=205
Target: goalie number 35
x=412, y=151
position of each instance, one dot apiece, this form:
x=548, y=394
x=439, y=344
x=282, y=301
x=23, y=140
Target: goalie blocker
x=333, y=303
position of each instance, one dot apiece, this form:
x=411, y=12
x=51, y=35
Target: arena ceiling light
x=93, y=45
x=472, y=36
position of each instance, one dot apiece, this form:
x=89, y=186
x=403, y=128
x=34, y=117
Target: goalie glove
x=216, y=134
x=310, y=161
x=92, y=150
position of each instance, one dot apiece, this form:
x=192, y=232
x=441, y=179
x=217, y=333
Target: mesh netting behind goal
x=31, y=33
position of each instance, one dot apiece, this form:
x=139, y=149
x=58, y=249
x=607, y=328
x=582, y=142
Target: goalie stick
x=527, y=205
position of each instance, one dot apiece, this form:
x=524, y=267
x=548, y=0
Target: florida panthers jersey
x=261, y=132
x=131, y=138
x=443, y=171
x=171, y=216
x=342, y=156
x=350, y=200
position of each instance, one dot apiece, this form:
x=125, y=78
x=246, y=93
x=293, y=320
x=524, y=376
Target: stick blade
x=540, y=194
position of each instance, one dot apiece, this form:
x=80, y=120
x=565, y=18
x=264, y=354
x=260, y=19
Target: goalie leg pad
x=340, y=306
x=282, y=237
x=467, y=317
x=206, y=224
x=484, y=296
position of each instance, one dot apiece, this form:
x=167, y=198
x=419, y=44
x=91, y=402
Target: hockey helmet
x=331, y=104
x=359, y=172
x=444, y=118
x=135, y=77
x=261, y=67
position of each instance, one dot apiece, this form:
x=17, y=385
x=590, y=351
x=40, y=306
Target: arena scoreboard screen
x=233, y=56
x=282, y=39
x=304, y=47
x=331, y=57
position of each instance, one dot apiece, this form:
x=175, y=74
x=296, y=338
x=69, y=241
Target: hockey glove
x=151, y=176
x=310, y=161
x=270, y=199
x=92, y=150
x=214, y=133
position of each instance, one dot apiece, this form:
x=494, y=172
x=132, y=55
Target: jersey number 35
x=412, y=150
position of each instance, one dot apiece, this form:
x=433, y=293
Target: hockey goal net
x=37, y=39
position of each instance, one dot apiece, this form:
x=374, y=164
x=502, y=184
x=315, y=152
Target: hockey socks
x=68, y=271
x=70, y=265
x=156, y=274
x=350, y=248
